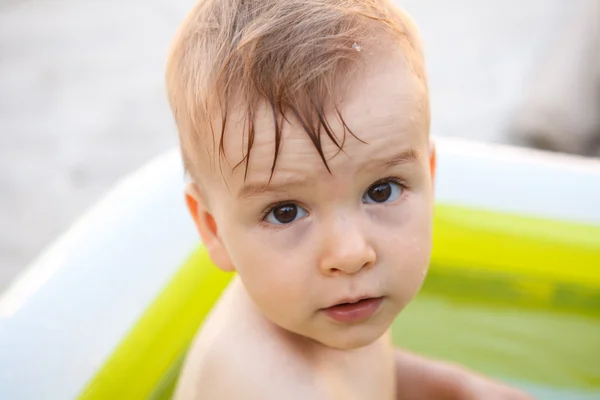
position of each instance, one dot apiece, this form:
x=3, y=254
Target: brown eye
x=285, y=214
x=382, y=192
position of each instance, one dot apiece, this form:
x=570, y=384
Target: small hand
x=422, y=378
x=476, y=387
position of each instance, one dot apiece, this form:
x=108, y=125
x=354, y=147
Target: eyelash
x=390, y=179
x=271, y=207
x=274, y=206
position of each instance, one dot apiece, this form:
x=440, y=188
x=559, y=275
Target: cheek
x=274, y=266
x=404, y=246
x=408, y=267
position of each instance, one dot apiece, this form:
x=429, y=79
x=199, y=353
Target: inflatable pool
x=109, y=310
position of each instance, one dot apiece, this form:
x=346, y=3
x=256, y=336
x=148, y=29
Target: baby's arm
x=421, y=378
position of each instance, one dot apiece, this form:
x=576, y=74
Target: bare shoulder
x=219, y=373
x=232, y=358
x=235, y=368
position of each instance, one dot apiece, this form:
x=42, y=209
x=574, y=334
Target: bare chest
x=367, y=378
x=376, y=384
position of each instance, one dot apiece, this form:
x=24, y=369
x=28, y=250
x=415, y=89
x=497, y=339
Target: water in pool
x=546, y=341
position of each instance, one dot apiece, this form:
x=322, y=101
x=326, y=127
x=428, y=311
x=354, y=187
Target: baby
x=304, y=125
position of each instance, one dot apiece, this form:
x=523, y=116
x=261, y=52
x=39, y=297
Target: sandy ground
x=82, y=99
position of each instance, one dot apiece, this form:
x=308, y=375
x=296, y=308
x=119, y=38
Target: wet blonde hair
x=292, y=54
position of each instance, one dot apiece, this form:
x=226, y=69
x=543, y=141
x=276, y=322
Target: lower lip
x=354, y=312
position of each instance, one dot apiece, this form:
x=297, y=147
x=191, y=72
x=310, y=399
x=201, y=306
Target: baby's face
x=311, y=240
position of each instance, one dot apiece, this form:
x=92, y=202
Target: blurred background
x=82, y=98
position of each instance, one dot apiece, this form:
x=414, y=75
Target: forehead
x=385, y=106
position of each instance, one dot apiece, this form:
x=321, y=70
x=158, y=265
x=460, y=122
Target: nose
x=345, y=248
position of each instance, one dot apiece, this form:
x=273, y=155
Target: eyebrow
x=257, y=189
x=404, y=157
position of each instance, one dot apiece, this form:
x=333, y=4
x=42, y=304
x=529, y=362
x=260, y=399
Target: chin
x=353, y=337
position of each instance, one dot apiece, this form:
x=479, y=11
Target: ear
x=207, y=228
x=432, y=160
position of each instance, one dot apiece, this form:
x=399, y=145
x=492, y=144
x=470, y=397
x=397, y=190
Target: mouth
x=354, y=310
